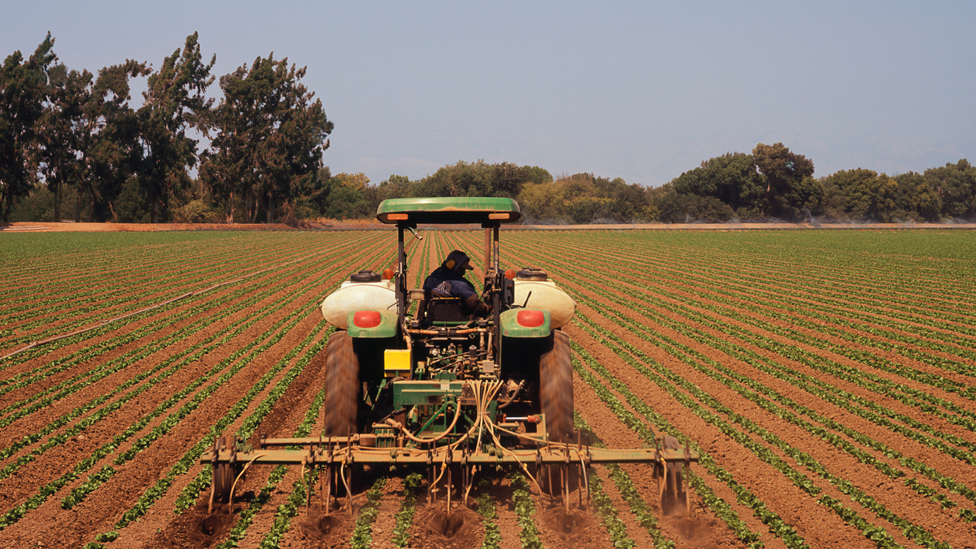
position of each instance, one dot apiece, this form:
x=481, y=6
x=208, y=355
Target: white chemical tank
x=364, y=290
x=542, y=293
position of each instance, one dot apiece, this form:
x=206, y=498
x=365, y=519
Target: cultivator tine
x=431, y=496
x=347, y=459
x=673, y=479
x=349, y=487
x=308, y=461
x=662, y=474
x=466, y=477
x=579, y=448
x=450, y=480
x=319, y=479
x=329, y=475
x=552, y=492
x=552, y=497
x=450, y=484
x=232, y=444
x=687, y=469
x=564, y=478
x=213, y=468
x=539, y=471
x=584, y=463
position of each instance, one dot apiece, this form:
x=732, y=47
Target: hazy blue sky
x=637, y=90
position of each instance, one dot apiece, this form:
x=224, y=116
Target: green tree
x=585, y=209
x=174, y=103
x=674, y=207
x=395, y=186
x=584, y=198
x=805, y=198
x=783, y=170
x=916, y=200
x=348, y=197
x=731, y=178
x=23, y=89
x=462, y=179
x=884, y=199
x=474, y=179
x=110, y=141
x=537, y=175
x=59, y=131
x=508, y=179
x=577, y=185
x=317, y=198
x=850, y=194
x=541, y=202
x=355, y=181
x=956, y=185
x=269, y=140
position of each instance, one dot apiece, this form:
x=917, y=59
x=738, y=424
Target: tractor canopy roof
x=449, y=210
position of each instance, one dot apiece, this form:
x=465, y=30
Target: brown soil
x=434, y=528
x=695, y=349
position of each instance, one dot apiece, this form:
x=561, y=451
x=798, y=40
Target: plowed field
x=826, y=378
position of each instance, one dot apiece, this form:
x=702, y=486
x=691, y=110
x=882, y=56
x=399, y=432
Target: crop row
x=886, y=387
x=803, y=482
x=244, y=353
x=642, y=512
x=107, y=328
x=70, y=306
x=625, y=304
x=811, y=295
x=160, y=430
x=207, y=312
x=757, y=361
x=190, y=458
x=759, y=295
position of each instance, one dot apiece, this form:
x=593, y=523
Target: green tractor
x=414, y=379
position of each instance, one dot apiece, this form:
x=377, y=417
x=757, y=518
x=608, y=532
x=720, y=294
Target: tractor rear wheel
x=341, y=386
x=342, y=392
x=556, y=388
x=556, y=400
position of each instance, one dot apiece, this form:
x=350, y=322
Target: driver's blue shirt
x=448, y=282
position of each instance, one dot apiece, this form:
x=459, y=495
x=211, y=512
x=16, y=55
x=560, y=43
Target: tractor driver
x=448, y=281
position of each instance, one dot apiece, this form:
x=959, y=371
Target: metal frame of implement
x=338, y=453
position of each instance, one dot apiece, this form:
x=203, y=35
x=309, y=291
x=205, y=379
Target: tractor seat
x=442, y=308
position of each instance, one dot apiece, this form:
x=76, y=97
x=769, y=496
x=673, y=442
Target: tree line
x=73, y=147
x=771, y=184
x=71, y=137
x=775, y=183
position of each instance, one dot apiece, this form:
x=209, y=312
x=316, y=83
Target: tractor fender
x=527, y=323
x=371, y=323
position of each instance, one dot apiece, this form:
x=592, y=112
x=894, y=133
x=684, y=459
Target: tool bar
x=407, y=456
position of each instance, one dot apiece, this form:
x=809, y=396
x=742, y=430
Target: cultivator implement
x=477, y=439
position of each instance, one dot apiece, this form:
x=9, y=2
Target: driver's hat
x=458, y=261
